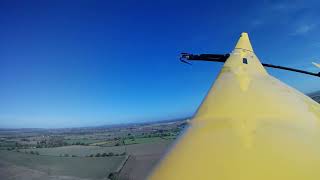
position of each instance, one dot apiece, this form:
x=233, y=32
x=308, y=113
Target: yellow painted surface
x=316, y=64
x=250, y=126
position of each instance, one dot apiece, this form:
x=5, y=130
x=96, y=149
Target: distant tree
x=113, y=176
x=91, y=155
x=98, y=155
x=110, y=154
x=104, y=154
x=54, y=141
x=31, y=152
x=66, y=155
x=73, y=156
x=24, y=139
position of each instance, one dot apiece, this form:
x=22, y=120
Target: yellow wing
x=250, y=126
x=316, y=64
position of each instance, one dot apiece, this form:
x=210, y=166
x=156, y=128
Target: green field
x=105, y=143
x=82, y=151
x=84, y=141
x=143, y=140
x=82, y=167
x=77, y=150
x=6, y=144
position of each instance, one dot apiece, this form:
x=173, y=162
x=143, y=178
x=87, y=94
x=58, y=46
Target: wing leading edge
x=250, y=126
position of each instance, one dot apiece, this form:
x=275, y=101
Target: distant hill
x=315, y=96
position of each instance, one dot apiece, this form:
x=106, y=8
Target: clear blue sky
x=86, y=63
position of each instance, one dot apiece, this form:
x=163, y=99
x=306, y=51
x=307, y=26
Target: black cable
x=224, y=57
x=291, y=69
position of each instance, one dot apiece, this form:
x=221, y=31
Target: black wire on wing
x=185, y=57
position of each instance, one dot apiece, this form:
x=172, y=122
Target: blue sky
x=87, y=63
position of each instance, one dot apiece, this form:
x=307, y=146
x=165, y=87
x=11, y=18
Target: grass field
x=7, y=144
x=82, y=167
x=142, y=140
x=85, y=141
x=148, y=148
x=105, y=143
x=82, y=151
x=77, y=150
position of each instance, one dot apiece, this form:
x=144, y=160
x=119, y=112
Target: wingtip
x=316, y=64
x=244, y=42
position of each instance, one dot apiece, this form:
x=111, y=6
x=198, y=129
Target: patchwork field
x=117, y=153
x=153, y=147
x=142, y=158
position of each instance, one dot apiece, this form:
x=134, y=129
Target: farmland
x=95, y=168
x=118, y=152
